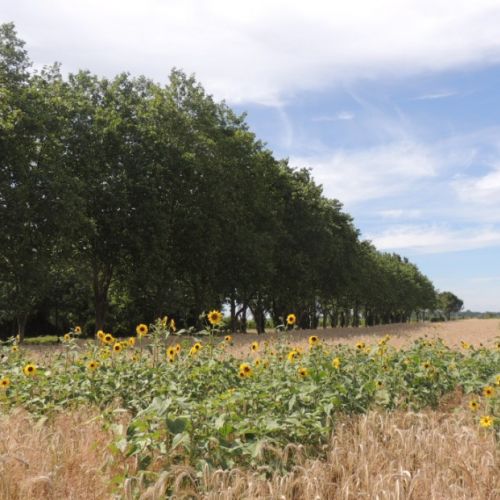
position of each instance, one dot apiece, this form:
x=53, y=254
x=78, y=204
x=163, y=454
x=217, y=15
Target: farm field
x=399, y=412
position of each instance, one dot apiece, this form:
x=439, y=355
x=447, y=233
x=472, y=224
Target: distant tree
x=449, y=303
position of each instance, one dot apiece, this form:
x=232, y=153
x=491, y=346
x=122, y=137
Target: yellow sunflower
x=194, y=350
x=291, y=319
x=228, y=339
x=488, y=391
x=117, y=347
x=214, y=317
x=172, y=325
x=171, y=352
x=245, y=369
x=465, y=345
x=497, y=378
x=4, y=383
x=336, y=363
x=101, y=335
x=177, y=348
x=313, y=340
x=293, y=355
x=15, y=348
x=254, y=346
x=379, y=384
x=360, y=345
x=78, y=330
x=30, y=370
x=67, y=337
x=108, y=338
x=303, y=372
x=92, y=365
x=474, y=405
x=257, y=362
x=141, y=330
x=131, y=341
x=486, y=421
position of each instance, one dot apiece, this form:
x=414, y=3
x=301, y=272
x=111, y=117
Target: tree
x=449, y=303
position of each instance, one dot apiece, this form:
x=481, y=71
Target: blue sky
x=392, y=104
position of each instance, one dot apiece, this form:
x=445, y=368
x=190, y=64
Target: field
x=406, y=411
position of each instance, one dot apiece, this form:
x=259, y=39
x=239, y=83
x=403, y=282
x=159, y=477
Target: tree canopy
x=122, y=199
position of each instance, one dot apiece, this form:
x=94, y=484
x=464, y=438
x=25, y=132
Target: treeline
x=123, y=200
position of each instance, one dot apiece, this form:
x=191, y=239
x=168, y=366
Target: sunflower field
x=192, y=402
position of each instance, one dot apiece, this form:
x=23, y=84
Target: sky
x=393, y=104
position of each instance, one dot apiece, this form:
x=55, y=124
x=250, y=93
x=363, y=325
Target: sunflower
x=30, y=370
x=336, y=363
x=257, y=362
x=177, y=348
x=228, y=339
x=92, y=365
x=172, y=325
x=293, y=355
x=497, y=378
x=474, y=405
x=171, y=352
x=67, y=337
x=101, y=335
x=465, y=345
x=303, y=372
x=426, y=364
x=117, y=347
x=4, y=383
x=15, y=348
x=141, y=330
x=488, y=391
x=194, y=350
x=245, y=369
x=78, y=330
x=214, y=317
x=291, y=319
x=379, y=384
x=254, y=346
x=313, y=340
x=131, y=341
x=486, y=421
x=360, y=345
x=108, y=338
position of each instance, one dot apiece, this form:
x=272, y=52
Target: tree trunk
x=21, y=320
x=102, y=280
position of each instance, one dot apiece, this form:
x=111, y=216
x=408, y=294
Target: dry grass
x=432, y=455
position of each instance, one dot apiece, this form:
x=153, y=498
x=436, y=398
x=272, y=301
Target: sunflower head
x=214, y=317
x=117, y=347
x=245, y=369
x=291, y=319
x=228, y=339
x=426, y=364
x=92, y=365
x=171, y=352
x=379, y=384
x=254, y=346
x=293, y=355
x=67, y=337
x=30, y=370
x=336, y=363
x=177, y=348
x=15, y=348
x=488, y=391
x=474, y=405
x=257, y=362
x=131, y=341
x=78, y=330
x=101, y=335
x=465, y=345
x=303, y=371
x=486, y=421
x=141, y=330
x=313, y=340
x=4, y=383
x=360, y=345
x=108, y=338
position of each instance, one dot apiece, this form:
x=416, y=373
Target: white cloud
x=435, y=238
x=401, y=213
x=436, y=95
x=374, y=173
x=482, y=190
x=340, y=116
x=265, y=50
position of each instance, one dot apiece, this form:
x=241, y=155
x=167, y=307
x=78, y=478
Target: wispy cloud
x=340, y=116
x=373, y=173
x=243, y=52
x=401, y=213
x=436, y=95
x=435, y=238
